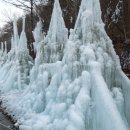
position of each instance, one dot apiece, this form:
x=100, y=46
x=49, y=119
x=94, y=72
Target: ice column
x=57, y=34
x=23, y=39
x=16, y=36
x=38, y=35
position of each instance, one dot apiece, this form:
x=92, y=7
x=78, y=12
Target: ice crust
x=76, y=83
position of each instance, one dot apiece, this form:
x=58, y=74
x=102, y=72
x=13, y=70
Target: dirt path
x=6, y=122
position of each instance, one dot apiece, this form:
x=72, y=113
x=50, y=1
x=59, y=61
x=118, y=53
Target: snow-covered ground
x=76, y=83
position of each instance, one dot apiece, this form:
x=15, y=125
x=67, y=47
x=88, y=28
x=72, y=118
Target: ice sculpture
x=16, y=69
x=75, y=84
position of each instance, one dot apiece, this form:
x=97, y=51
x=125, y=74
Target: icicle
x=12, y=43
x=38, y=35
x=5, y=51
x=16, y=36
x=23, y=24
x=23, y=39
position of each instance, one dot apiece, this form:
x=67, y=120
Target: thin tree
x=30, y=6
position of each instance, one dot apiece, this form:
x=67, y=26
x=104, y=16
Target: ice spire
x=16, y=36
x=12, y=43
x=38, y=35
x=84, y=21
x=83, y=8
x=57, y=36
x=57, y=31
x=96, y=11
x=5, y=51
x=23, y=39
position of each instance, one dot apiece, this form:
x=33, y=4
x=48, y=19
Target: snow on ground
x=76, y=83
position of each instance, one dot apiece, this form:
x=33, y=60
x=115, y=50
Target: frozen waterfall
x=75, y=83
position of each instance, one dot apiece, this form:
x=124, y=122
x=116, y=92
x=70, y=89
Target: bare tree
x=30, y=6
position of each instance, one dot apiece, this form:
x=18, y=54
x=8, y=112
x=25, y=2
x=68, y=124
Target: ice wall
x=75, y=83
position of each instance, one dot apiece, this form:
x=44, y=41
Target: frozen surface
x=76, y=83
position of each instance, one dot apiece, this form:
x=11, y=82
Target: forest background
x=115, y=15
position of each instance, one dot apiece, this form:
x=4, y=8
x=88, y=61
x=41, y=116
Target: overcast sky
x=7, y=12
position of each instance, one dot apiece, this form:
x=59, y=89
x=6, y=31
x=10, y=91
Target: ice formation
x=17, y=65
x=57, y=36
x=22, y=45
x=38, y=35
x=16, y=36
x=76, y=83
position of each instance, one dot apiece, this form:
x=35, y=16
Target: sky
x=7, y=12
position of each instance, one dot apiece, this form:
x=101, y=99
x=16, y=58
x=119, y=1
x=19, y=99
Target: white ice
x=76, y=83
